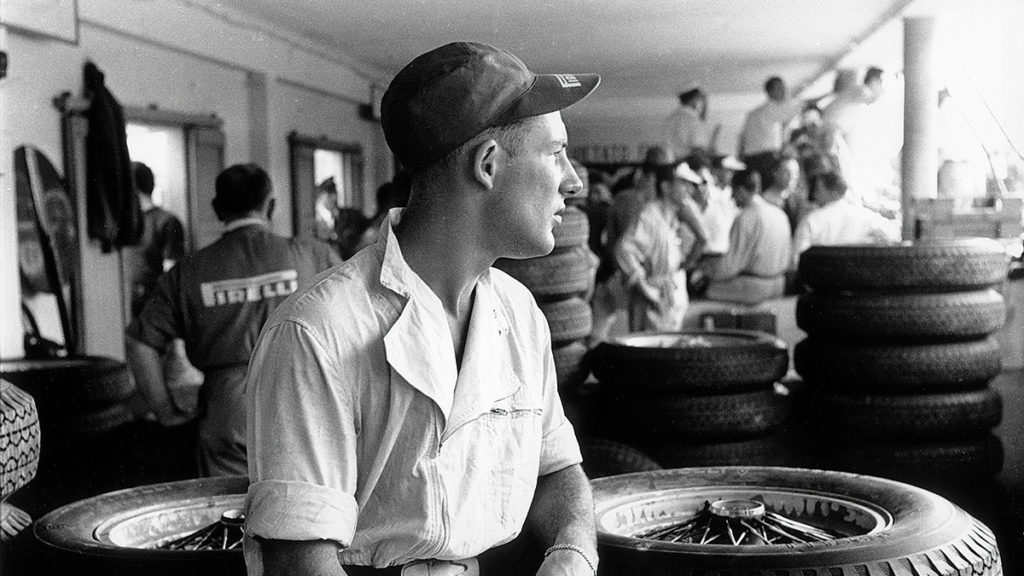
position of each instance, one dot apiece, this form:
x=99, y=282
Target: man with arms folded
x=403, y=412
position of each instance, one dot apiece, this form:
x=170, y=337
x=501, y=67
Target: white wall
x=184, y=58
x=634, y=124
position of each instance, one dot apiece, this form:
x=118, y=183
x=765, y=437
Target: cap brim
x=550, y=93
x=684, y=172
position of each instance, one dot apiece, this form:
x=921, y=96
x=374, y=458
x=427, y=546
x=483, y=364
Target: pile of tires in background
x=900, y=354
x=692, y=398
x=561, y=282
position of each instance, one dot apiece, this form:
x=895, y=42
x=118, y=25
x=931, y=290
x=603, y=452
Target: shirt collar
x=243, y=222
x=414, y=339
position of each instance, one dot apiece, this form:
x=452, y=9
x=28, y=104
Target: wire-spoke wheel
x=782, y=522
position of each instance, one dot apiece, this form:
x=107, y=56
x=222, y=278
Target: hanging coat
x=114, y=214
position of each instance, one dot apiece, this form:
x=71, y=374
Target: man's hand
x=565, y=562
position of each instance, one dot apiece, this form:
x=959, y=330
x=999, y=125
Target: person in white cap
x=403, y=412
x=651, y=254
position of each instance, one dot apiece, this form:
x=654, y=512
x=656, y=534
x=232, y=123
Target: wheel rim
x=134, y=523
x=808, y=517
x=692, y=339
x=159, y=527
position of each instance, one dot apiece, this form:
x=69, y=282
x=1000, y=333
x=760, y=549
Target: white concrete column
x=920, y=119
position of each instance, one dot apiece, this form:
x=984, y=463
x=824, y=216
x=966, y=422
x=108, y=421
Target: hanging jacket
x=114, y=214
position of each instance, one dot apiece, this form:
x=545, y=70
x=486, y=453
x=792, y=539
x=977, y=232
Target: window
x=327, y=178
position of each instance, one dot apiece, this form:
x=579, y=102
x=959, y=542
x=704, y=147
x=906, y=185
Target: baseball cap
x=448, y=95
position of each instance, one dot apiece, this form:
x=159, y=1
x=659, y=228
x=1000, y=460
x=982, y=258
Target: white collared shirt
x=764, y=128
x=362, y=431
x=841, y=222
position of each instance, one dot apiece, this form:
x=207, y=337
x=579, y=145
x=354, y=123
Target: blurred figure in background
x=766, y=129
x=839, y=220
x=650, y=255
x=753, y=270
x=393, y=194
x=610, y=299
x=217, y=300
x=686, y=128
x=326, y=210
x=161, y=246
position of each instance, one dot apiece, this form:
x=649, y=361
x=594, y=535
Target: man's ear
x=271, y=204
x=485, y=162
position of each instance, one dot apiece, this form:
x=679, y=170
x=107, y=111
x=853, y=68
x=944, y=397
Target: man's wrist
x=589, y=558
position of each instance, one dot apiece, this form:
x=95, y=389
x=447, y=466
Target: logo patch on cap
x=568, y=80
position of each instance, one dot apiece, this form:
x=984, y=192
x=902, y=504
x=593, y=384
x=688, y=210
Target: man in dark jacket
x=217, y=300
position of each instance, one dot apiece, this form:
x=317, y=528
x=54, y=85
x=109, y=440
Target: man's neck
x=437, y=249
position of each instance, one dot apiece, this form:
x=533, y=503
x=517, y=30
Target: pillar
x=920, y=118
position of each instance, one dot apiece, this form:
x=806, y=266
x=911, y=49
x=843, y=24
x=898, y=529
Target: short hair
x=143, y=176
x=698, y=160
x=747, y=179
x=662, y=174
x=240, y=189
x=833, y=181
x=873, y=73
x=772, y=81
x=690, y=95
x=509, y=136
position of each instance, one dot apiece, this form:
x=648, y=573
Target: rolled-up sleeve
x=559, y=448
x=301, y=440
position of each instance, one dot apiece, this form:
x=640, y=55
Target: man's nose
x=571, y=186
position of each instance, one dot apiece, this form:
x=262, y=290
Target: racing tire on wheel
x=695, y=418
x=691, y=361
x=898, y=368
x=117, y=532
x=950, y=416
x=929, y=266
x=938, y=462
x=610, y=458
x=901, y=317
x=882, y=526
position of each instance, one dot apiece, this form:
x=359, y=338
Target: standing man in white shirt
x=404, y=417
x=766, y=127
x=686, y=129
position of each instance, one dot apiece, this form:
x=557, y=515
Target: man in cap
x=652, y=257
x=217, y=300
x=610, y=300
x=403, y=412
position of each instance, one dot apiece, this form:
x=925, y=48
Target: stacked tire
x=19, y=454
x=696, y=398
x=81, y=413
x=900, y=353
x=560, y=282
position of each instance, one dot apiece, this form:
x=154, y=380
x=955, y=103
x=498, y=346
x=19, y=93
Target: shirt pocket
x=515, y=433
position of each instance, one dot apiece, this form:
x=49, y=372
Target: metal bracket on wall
x=69, y=104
